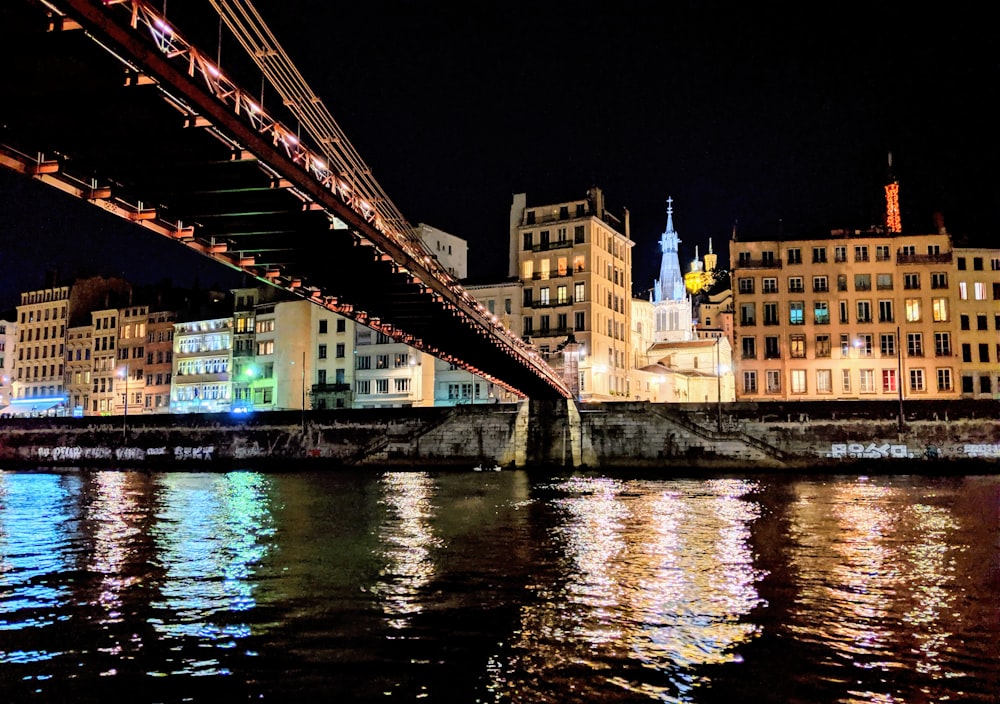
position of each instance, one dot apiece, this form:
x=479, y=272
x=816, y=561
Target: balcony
x=330, y=388
x=940, y=258
x=549, y=246
x=759, y=264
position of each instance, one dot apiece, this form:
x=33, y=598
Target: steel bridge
x=108, y=102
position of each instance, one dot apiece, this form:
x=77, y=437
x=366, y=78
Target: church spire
x=670, y=285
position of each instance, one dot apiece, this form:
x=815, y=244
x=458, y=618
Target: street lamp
x=718, y=383
x=124, y=377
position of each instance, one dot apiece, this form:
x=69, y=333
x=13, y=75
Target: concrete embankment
x=765, y=437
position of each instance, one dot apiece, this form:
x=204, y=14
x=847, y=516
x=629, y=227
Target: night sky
x=776, y=119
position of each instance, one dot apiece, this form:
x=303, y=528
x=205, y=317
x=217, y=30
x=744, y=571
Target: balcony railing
x=940, y=258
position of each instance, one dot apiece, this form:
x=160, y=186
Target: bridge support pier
x=553, y=434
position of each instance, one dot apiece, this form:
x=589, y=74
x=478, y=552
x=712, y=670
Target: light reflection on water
x=210, y=533
x=461, y=587
x=660, y=576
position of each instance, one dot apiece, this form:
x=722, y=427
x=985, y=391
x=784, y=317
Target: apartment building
x=575, y=262
x=79, y=368
x=202, y=366
x=159, y=361
x=8, y=341
x=852, y=315
x=130, y=391
x=976, y=305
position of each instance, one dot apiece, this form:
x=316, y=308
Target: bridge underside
x=74, y=115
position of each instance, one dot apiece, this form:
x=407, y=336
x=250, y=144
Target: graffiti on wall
x=130, y=454
x=982, y=450
x=871, y=450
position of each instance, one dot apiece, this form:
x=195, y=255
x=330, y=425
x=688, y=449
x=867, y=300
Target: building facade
x=202, y=366
x=575, y=262
x=977, y=308
x=848, y=316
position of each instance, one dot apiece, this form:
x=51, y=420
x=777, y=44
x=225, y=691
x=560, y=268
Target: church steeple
x=670, y=285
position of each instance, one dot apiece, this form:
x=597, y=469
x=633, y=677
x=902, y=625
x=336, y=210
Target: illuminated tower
x=672, y=311
x=893, y=223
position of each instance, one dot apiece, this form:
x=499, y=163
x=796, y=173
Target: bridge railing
x=336, y=178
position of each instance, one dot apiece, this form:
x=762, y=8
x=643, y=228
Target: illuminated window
x=912, y=310
x=824, y=381
x=562, y=266
x=543, y=269
x=579, y=263
x=562, y=294
x=939, y=306
x=797, y=346
x=963, y=290
x=821, y=312
x=528, y=270
x=796, y=313
x=798, y=381
x=543, y=296
x=980, y=291
x=888, y=380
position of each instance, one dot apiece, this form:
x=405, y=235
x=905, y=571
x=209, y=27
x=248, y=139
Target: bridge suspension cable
x=250, y=30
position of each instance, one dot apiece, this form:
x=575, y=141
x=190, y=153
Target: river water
x=512, y=586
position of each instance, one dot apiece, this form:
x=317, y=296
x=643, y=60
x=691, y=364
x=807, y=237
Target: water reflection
x=876, y=572
x=406, y=542
x=211, y=533
x=37, y=520
x=658, y=575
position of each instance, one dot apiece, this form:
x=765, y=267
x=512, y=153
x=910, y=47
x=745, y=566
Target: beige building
x=159, y=360
x=851, y=315
x=79, y=368
x=130, y=387
x=575, y=261
x=8, y=342
x=976, y=290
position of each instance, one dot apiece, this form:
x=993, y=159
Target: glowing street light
x=123, y=375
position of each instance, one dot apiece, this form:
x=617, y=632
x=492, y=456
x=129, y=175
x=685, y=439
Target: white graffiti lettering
x=982, y=450
x=62, y=454
x=857, y=450
x=130, y=453
x=194, y=453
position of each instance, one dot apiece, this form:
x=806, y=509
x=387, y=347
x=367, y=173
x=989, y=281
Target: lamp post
x=899, y=376
x=718, y=384
x=125, y=414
